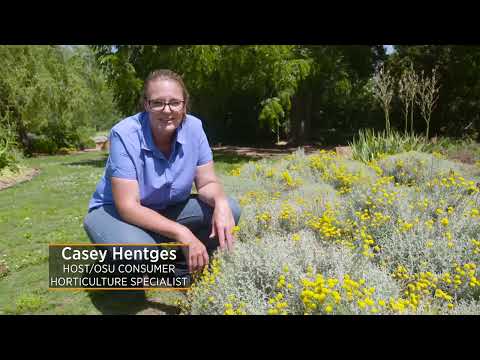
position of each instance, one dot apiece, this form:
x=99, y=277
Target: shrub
x=369, y=145
x=373, y=238
x=9, y=155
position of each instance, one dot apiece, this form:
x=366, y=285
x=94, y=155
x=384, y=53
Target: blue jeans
x=104, y=225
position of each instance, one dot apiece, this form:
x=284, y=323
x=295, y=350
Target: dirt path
x=264, y=152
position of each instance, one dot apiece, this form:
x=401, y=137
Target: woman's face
x=164, y=117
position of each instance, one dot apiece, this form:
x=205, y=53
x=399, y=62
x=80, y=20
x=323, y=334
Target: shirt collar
x=147, y=142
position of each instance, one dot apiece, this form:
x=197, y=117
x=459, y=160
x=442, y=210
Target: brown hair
x=165, y=74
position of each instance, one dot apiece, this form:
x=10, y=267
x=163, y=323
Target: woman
x=144, y=196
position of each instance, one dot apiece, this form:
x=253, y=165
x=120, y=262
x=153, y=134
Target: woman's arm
x=210, y=191
x=126, y=196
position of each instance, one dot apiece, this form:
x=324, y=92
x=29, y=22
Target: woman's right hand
x=197, y=252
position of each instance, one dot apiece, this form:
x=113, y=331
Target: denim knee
x=235, y=208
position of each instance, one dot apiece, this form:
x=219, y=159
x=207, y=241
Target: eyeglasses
x=158, y=105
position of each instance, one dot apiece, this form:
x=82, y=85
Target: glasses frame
x=164, y=105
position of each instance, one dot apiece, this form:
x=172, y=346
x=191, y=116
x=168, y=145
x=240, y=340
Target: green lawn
x=50, y=209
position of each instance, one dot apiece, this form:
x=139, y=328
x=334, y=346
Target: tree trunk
x=301, y=116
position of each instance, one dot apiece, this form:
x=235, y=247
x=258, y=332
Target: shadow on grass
x=128, y=302
x=99, y=163
x=222, y=157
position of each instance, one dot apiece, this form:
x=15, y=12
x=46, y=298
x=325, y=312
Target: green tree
x=252, y=91
x=458, y=68
x=55, y=93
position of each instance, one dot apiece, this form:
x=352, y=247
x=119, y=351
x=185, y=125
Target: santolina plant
x=399, y=234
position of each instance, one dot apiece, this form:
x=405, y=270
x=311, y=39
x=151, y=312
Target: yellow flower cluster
x=324, y=163
x=345, y=179
x=444, y=221
x=383, y=195
x=476, y=246
x=319, y=295
x=322, y=160
x=289, y=181
x=278, y=307
x=375, y=220
x=236, y=171
x=287, y=214
x=235, y=230
x=404, y=226
x=230, y=308
x=429, y=224
x=209, y=274
x=367, y=243
x=265, y=219
x=425, y=284
x=373, y=164
x=401, y=273
x=475, y=213
x=255, y=197
x=201, y=282
x=326, y=224
x=422, y=285
x=466, y=274
x=454, y=181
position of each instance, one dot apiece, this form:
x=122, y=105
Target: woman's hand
x=197, y=252
x=223, y=224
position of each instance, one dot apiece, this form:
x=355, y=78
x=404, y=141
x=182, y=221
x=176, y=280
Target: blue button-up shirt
x=133, y=155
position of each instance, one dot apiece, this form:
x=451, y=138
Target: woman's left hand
x=223, y=224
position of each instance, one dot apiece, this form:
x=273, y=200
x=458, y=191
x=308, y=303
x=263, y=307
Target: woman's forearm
x=212, y=194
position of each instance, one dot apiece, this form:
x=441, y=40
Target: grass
x=50, y=209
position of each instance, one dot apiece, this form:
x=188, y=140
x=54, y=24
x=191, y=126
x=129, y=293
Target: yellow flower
x=235, y=172
x=235, y=229
x=369, y=301
x=295, y=237
x=429, y=224
x=444, y=221
x=328, y=309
